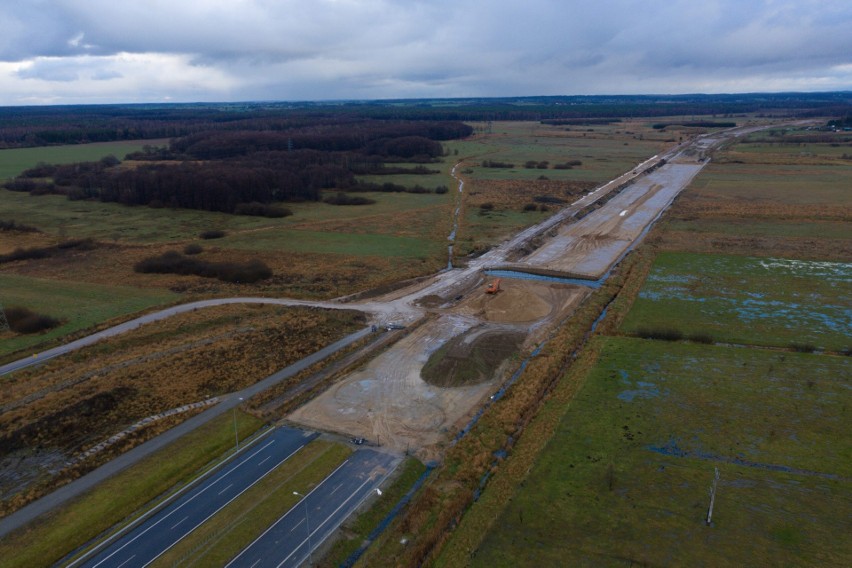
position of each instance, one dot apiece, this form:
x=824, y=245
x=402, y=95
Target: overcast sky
x=112, y=51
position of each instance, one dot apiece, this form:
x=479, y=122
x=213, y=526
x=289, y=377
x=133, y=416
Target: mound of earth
x=472, y=357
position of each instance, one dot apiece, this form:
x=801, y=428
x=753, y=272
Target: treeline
x=246, y=172
x=41, y=126
x=695, y=124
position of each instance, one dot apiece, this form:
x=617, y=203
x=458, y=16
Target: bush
x=18, y=227
x=172, y=262
x=701, y=338
x=24, y=320
x=441, y=189
x=664, y=334
x=488, y=206
x=803, y=347
x=344, y=199
x=530, y=207
x=213, y=234
x=495, y=164
x=257, y=209
x=193, y=248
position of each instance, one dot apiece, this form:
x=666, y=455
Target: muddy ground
x=387, y=402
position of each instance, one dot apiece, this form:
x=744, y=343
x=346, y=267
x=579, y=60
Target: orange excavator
x=494, y=287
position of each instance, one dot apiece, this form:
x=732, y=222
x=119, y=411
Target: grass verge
x=49, y=538
x=222, y=537
x=357, y=530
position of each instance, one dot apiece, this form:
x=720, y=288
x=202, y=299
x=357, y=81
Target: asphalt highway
x=165, y=528
x=291, y=540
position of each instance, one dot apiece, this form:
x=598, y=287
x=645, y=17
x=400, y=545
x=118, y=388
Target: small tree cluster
x=173, y=262
x=24, y=320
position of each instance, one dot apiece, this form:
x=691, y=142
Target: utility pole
x=712, y=496
x=236, y=434
x=307, y=526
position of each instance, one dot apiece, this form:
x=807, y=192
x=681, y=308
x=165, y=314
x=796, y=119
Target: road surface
x=168, y=526
x=125, y=460
x=291, y=540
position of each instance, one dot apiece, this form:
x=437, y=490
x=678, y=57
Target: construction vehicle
x=494, y=287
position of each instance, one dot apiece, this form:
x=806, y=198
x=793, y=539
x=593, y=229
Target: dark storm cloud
x=253, y=49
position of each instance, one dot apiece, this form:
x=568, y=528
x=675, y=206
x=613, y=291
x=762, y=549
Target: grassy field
x=80, y=305
x=621, y=467
x=625, y=478
x=47, y=540
x=222, y=537
x=16, y=160
x=747, y=300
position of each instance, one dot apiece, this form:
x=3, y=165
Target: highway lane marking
x=273, y=525
x=256, y=481
x=126, y=561
x=228, y=487
x=179, y=522
x=335, y=489
x=297, y=524
x=328, y=518
x=224, y=474
x=264, y=461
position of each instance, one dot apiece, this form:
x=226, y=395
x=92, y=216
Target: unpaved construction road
x=387, y=401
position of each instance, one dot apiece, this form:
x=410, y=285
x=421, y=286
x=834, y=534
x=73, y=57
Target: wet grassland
x=732, y=354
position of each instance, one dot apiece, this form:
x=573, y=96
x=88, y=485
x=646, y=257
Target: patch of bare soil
x=472, y=357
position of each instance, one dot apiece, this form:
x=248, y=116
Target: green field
x=761, y=301
x=16, y=160
x=625, y=479
x=54, y=214
x=80, y=305
x=605, y=151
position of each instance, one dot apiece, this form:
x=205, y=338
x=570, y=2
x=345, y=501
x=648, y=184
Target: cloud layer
x=81, y=51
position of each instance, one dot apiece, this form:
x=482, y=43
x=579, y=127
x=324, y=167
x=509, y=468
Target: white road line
x=297, y=524
x=228, y=487
x=179, y=522
x=126, y=561
x=182, y=505
x=328, y=518
x=264, y=461
x=339, y=485
x=224, y=505
x=273, y=525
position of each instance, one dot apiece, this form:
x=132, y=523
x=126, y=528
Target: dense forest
x=246, y=157
x=244, y=171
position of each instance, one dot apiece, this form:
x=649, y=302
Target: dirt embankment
x=472, y=357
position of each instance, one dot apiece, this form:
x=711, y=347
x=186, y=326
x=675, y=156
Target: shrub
x=495, y=164
x=212, y=234
x=664, y=334
x=193, y=248
x=530, y=207
x=803, y=347
x=18, y=227
x=441, y=189
x=488, y=206
x=344, y=199
x=172, y=262
x=257, y=209
x=24, y=320
x=701, y=338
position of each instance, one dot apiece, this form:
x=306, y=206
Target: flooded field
x=627, y=474
x=738, y=299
